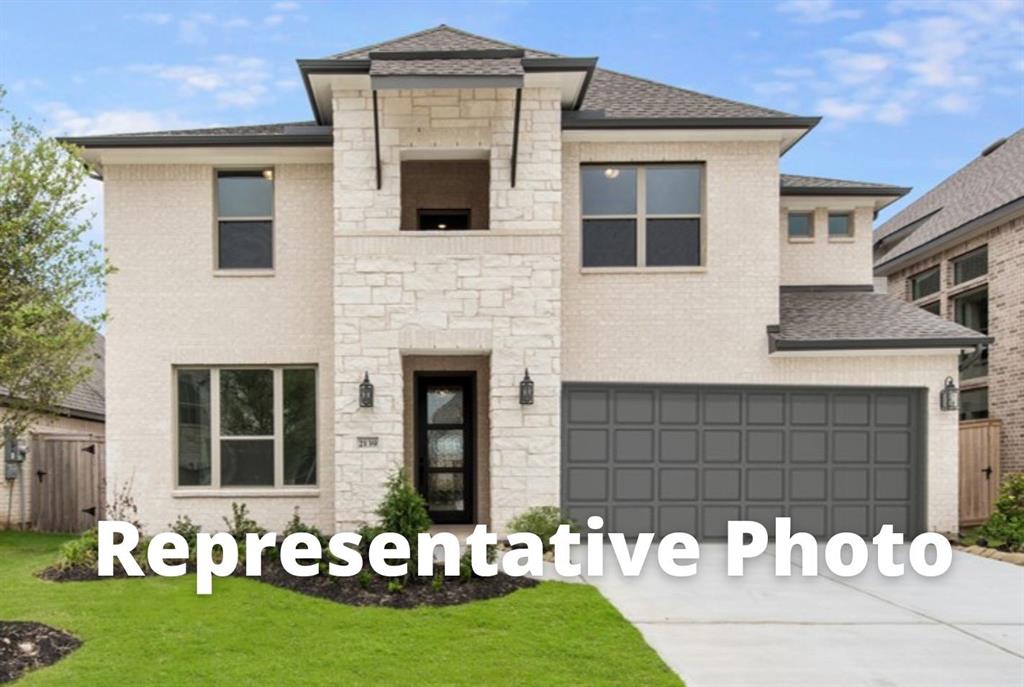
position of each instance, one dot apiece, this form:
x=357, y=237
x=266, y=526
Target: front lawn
x=156, y=631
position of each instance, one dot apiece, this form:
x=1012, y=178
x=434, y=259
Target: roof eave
x=877, y=191
x=780, y=344
x=577, y=122
x=200, y=140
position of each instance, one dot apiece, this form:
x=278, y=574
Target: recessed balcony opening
x=446, y=195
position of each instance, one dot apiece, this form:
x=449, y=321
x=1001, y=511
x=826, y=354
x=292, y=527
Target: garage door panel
x=722, y=445
x=678, y=445
x=588, y=484
x=686, y=458
x=634, y=407
x=766, y=485
x=634, y=445
x=722, y=408
x=678, y=484
x=766, y=446
x=634, y=484
x=587, y=445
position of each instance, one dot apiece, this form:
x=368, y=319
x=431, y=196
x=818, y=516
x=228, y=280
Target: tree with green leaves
x=47, y=273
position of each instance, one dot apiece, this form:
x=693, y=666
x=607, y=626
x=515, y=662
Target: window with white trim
x=642, y=215
x=246, y=426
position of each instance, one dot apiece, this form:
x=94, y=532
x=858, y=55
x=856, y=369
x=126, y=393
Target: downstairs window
x=246, y=427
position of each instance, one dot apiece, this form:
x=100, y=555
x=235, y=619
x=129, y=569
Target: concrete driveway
x=962, y=629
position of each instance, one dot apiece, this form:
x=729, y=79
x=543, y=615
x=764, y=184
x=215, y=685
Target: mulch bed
x=349, y=590
x=26, y=646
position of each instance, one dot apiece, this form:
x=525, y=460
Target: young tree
x=46, y=271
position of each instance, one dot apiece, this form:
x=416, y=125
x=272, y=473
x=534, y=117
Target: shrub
x=80, y=552
x=296, y=525
x=364, y=578
x=466, y=561
x=187, y=529
x=542, y=521
x=122, y=506
x=403, y=510
x=1004, y=529
x=240, y=523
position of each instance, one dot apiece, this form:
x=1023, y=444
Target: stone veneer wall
x=1005, y=281
x=491, y=292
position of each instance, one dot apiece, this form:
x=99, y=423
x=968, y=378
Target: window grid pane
x=971, y=265
x=673, y=242
x=194, y=453
x=299, y=426
x=800, y=225
x=839, y=225
x=924, y=284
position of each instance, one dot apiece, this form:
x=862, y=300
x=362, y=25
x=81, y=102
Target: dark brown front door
x=445, y=451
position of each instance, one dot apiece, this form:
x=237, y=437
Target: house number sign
x=367, y=442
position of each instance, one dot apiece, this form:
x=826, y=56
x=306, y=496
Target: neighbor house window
x=932, y=307
x=974, y=404
x=245, y=219
x=924, y=283
x=246, y=427
x=840, y=225
x=971, y=310
x=646, y=216
x=800, y=225
x=971, y=265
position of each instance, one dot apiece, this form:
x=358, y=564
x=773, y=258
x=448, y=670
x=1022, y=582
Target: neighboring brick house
x=81, y=416
x=301, y=309
x=958, y=252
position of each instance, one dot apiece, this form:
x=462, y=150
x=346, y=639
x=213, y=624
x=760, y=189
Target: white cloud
x=273, y=20
x=920, y=56
x=233, y=80
x=63, y=120
x=817, y=11
x=285, y=6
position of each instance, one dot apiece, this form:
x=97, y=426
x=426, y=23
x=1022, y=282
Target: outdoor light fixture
x=268, y=174
x=949, y=397
x=366, y=392
x=526, y=390
x=611, y=173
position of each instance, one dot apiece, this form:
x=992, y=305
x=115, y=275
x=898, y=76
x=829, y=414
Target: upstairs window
x=971, y=310
x=642, y=216
x=840, y=225
x=446, y=195
x=970, y=265
x=924, y=283
x=800, y=225
x=245, y=219
x=246, y=427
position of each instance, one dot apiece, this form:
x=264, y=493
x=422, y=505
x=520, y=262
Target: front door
x=445, y=453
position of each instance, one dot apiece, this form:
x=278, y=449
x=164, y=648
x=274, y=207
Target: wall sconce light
x=526, y=390
x=949, y=397
x=366, y=392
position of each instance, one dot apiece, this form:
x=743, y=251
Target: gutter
x=582, y=121
x=898, y=191
x=776, y=344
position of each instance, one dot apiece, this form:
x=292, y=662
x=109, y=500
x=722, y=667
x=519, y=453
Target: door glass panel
x=445, y=492
x=444, y=406
x=445, y=448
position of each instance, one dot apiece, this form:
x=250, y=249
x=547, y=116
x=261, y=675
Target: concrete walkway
x=965, y=628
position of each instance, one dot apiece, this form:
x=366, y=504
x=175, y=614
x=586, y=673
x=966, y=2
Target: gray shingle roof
x=244, y=129
x=438, y=38
x=987, y=183
x=458, y=67
x=627, y=97
x=88, y=398
x=810, y=319
x=799, y=181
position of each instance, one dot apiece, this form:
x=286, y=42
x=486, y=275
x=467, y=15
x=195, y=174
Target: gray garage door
x=670, y=458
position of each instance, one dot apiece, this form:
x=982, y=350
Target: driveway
x=963, y=628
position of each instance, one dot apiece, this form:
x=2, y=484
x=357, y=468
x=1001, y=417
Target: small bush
x=466, y=561
x=365, y=577
x=240, y=523
x=81, y=552
x=542, y=521
x=403, y=510
x=395, y=585
x=187, y=529
x=296, y=525
x=122, y=506
x=1005, y=527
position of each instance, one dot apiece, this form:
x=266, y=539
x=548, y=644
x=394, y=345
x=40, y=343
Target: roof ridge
x=439, y=27
x=691, y=91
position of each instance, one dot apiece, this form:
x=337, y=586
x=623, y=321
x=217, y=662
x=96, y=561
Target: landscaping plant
x=1004, y=529
x=542, y=521
x=403, y=510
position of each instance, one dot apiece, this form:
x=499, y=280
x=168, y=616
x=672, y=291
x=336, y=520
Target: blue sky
x=909, y=90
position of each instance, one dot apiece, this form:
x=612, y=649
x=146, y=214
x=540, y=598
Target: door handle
x=988, y=472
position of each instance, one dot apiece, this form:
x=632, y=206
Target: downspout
x=515, y=134
x=376, y=139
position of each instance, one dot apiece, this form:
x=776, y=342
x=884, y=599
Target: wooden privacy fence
x=68, y=483
x=979, y=469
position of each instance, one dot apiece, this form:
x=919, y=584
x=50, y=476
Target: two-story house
x=528, y=280
x=958, y=252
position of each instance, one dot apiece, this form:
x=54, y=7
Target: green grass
x=157, y=631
